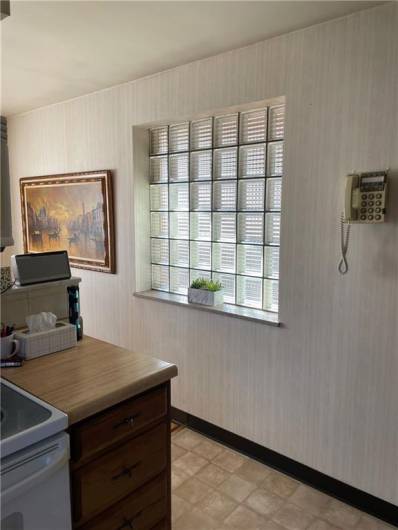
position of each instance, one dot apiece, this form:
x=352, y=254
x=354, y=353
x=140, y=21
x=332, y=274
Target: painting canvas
x=70, y=212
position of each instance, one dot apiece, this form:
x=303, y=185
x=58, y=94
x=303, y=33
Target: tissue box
x=33, y=345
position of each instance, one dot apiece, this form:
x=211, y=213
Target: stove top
x=25, y=419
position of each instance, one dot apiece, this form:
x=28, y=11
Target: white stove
x=34, y=463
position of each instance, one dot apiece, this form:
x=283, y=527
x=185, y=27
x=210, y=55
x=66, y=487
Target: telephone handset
x=364, y=202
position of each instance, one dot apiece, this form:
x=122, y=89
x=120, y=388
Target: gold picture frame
x=73, y=212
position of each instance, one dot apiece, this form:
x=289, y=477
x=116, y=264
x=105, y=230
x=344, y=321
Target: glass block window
x=215, y=199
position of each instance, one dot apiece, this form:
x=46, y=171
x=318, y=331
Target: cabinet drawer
x=114, y=475
x=117, y=423
x=143, y=510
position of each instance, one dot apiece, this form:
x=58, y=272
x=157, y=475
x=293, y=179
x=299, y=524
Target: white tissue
x=41, y=322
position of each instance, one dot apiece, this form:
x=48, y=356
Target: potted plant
x=206, y=292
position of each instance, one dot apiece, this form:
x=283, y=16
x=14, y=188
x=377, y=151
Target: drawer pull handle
x=126, y=421
x=126, y=471
x=127, y=523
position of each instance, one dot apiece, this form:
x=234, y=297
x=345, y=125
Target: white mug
x=9, y=346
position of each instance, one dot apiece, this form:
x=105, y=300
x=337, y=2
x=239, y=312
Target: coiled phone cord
x=345, y=239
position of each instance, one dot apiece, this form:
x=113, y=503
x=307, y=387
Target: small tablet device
x=41, y=267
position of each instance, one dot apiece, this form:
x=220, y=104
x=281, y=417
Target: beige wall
x=322, y=389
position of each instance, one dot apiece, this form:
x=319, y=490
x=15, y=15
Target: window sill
x=245, y=313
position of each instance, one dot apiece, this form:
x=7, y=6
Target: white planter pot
x=205, y=297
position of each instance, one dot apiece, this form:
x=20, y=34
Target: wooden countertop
x=90, y=377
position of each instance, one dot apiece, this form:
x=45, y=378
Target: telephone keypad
x=370, y=217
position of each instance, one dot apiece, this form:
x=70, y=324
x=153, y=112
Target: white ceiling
x=56, y=50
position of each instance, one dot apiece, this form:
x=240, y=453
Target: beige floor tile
x=264, y=502
x=193, y=490
x=292, y=518
x=177, y=452
x=213, y=475
x=229, y=460
x=367, y=522
x=178, y=507
x=190, y=463
x=244, y=519
x=272, y=525
x=280, y=484
x=217, y=505
x=310, y=500
x=187, y=439
x=323, y=525
x=195, y=520
x=178, y=477
x=208, y=449
x=253, y=471
x=237, y=488
x=341, y=514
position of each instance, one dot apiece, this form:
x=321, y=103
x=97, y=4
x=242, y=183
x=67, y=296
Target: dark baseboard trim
x=359, y=499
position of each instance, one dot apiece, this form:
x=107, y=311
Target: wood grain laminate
x=90, y=377
x=323, y=388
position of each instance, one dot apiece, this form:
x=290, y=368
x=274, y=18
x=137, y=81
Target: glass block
x=201, y=226
x=159, y=194
x=179, y=225
x=158, y=169
x=178, y=197
x=250, y=260
x=195, y=274
x=253, y=126
x=276, y=129
x=201, y=165
x=271, y=295
x=201, y=255
x=224, y=257
x=179, y=252
x=273, y=228
x=252, y=161
x=179, y=167
x=224, y=195
x=201, y=196
x=226, y=130
x=160, y=278
x=228, y=286
x=224, y=227
x=271, y=262
x=274, y=194
x=179, y=280
x=275, y=159
x=159, y=143
x=249, y=291
x=251, y=194
x=159, y=224
x=160, y=251
x=179, y=137
x=225, y=163
x=202, y=134
x=250, y=228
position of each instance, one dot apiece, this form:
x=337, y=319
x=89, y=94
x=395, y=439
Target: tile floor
x=215, y=488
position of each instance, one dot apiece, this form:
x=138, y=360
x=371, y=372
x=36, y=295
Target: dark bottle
x=74, y=310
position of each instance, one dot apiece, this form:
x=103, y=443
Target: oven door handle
x=26, y=484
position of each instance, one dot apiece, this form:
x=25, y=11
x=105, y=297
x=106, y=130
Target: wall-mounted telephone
x=364, y=202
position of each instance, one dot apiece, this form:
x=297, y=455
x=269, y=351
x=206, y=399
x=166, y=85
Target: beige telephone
x=365, y=197
x=364, y=202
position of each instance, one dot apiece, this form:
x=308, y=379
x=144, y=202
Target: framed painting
x=72, y=212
